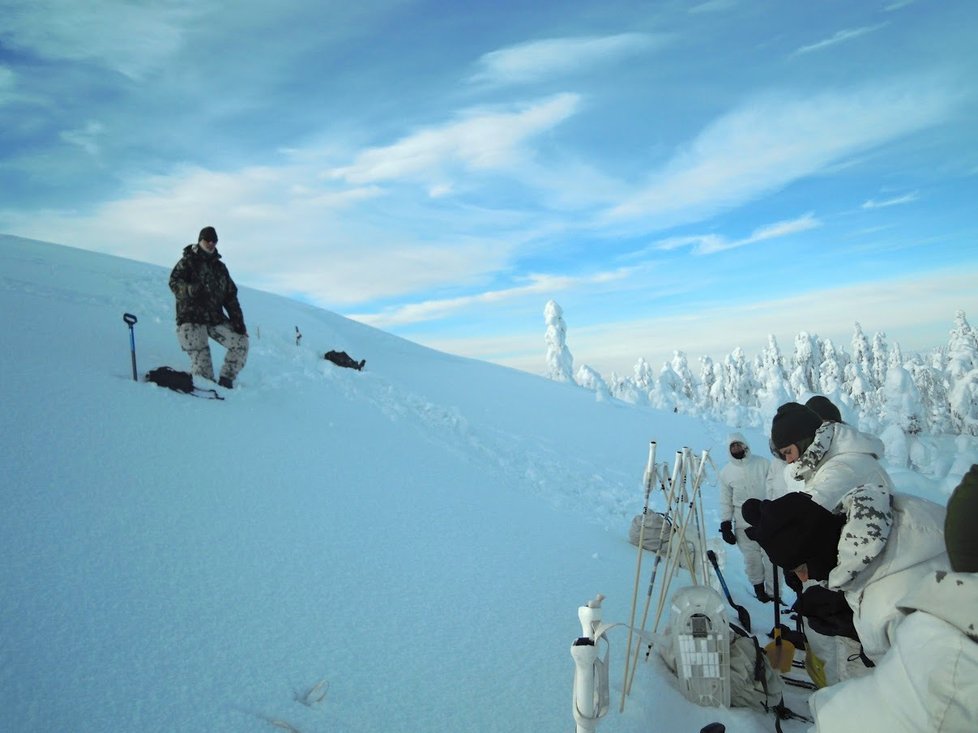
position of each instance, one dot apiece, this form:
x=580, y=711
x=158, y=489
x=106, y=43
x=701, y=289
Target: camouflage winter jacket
x=928, y=680
x=890, y=542
x=205, y=291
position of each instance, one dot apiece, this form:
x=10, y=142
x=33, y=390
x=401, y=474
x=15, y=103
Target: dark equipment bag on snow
x=178, y=381
x=341, y=358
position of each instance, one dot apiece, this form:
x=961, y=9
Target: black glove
x=827, y=612
x=239, y=327
x=793, y=582
x=726, y=530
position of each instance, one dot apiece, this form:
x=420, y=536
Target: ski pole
x=130, y=320
x=666, y=522
x=648, y=482
x=675, y=556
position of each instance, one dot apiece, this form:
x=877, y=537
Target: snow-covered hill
x=417, y=536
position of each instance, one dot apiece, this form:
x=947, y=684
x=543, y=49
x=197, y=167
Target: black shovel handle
x=130, y=320
x=742, y=613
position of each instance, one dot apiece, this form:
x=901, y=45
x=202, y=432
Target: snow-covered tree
x=681, y=367
x=962, y=376
x=772, y=363
x=881, y=358
x=804, y=366
x=704, y=396
x=863, y=395
x=862, y=356
x=592, y=380
x=644, y=377
x=902, y=405
x=772, y=381
x=740, y=388
x=932, y=389
x=963, y=400
x=625, y=389
x=667, y=393
x=560, y=363
x=962, y=348
x=830, y=371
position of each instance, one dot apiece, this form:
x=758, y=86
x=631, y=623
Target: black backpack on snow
x=178, y=381
x=341, y=358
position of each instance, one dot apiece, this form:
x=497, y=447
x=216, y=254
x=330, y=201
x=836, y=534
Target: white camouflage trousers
x=193, y=339
x=756, y=564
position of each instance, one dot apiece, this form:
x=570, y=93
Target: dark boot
x=226, y=383
x=762, y=595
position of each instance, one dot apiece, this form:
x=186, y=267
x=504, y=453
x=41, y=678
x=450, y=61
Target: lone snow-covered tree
x=560, y=363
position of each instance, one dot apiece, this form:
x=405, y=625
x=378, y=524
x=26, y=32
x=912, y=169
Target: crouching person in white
x=928, y=680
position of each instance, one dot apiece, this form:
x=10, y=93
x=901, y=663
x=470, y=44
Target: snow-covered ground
x=410, y=543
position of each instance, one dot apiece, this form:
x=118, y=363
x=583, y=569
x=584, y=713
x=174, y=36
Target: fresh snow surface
x=410, y=542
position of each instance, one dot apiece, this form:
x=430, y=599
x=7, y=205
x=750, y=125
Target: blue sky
x=677, y=175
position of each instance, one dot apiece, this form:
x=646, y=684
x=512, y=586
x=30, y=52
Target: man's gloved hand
x=827, y=612
x=726, y=530
x=793, y=582
x=239, y=327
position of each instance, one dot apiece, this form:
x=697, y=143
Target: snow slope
x=417, y=536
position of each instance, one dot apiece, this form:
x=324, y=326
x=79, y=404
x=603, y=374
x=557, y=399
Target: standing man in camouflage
x=207, y=307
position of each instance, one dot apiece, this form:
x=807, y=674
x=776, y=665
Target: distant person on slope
x=207, y=307
x=744, y=477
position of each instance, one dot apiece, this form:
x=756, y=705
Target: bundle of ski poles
x=684, y=546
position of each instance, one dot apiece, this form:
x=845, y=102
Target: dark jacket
x=205, y=291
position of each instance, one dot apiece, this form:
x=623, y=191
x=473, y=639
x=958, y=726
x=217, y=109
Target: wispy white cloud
x=480, y=139
x=705, y=244
x=908, y=198
x=838, y=37
x=85, y=137
x=547, y=58
x=899, y=4
x=713, y=6
x=8, y=81
x=772, y=141
x=130, y=38
x=543, y=285
x=283, y=230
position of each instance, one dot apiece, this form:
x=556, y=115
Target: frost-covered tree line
x=878, y=387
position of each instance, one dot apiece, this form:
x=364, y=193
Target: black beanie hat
x=208, y=234
x=793, y=530
x=823, y=407
x=961, y=524
x=794, y=424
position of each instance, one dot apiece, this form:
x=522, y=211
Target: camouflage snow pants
x=193, y=339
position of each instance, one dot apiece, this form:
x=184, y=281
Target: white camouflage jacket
x=741, y=479
x=839, y=459
x=890, y=543
x=928, y=680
